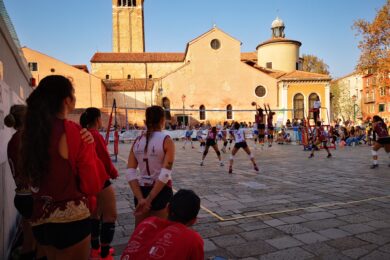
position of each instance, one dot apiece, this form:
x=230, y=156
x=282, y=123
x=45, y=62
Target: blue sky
x=73, y=30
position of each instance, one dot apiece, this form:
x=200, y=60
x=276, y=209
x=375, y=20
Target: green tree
x=312, y=63
x=375, y=43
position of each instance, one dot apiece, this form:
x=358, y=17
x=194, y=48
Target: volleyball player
x=211, y=140
x=319, y=136
x=270, y=126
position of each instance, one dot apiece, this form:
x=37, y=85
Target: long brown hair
x=153, y=116
x=44, y=103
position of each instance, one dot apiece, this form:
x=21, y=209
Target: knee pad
x=374, y=153
x=250, y=156
x=205, y=153
x=231, y=157
x=107, y=234
x=225, y=143
x=270, y=136
x=95, y=228
x=218, y=153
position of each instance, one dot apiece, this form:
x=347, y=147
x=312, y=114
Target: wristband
x=165, y=175
x=131, y=174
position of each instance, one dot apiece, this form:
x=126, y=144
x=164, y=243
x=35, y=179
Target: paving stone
x=284, y=242
x=266, y=233
x=274, y=222
x=355, y=253
x=288, y=254
x=374, y=238
x=252, y=248
x=346, y=243
x=293, y=229
x=376, y=255
x=357, y=228
x=293, y=219
x=334, y=233
x=323, y=224
x=209, y=245
x=228, y=240
x=385, y=248
x=317, y=215
x=320, y=248
x=310, y=238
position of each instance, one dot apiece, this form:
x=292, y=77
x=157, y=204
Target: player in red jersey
x=382, y=139
x=62, y=171
x=104, y=216
x=157, y=238
x=211, y=140
x=260, y=125
x=319, y=136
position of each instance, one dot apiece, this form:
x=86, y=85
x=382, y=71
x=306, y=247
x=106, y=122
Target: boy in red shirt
x=169, y=239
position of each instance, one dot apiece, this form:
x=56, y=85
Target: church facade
x=212, y=81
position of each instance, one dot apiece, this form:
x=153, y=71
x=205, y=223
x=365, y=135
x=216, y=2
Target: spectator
x=180, y=242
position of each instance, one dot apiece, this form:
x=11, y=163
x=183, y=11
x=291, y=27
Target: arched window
x=299, y=106
x=313, y=97
x=202, y=112
x=167, y=107
x=229, y=112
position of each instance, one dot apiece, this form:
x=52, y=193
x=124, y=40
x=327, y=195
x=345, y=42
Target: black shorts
x=260, y=126
x=384, y=140
x=24, y=205
x=242, y=145
x=106, y=184
x=62, y=235
x=160, y=201
x=271, y=128
x=210, y=142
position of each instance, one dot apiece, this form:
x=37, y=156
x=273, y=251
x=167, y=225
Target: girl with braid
x=153, y=153
x=104, y=216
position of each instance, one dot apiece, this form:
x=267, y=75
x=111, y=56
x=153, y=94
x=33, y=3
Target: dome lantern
x=277, y=28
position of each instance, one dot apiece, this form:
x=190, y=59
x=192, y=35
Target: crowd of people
x=63, y=172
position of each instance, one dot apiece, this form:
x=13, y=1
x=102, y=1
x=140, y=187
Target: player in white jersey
x=153, y=153
x=239, y=138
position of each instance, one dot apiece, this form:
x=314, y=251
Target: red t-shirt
x=102, y=153
x=157, y=238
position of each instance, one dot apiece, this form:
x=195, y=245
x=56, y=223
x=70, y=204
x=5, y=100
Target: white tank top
x=239, y=135
x=150, y=164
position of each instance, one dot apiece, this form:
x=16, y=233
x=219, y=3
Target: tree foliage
x=343, y=106
x=375, y=43
x=312, y=63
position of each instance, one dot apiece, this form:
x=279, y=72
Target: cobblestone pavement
x=295, y=208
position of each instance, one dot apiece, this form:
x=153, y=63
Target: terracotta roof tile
x=129, y=85
x=299, y=75
x=81, y=67
x=138, y=57
x=249, y=56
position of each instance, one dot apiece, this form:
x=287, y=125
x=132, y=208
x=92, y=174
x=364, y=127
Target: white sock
x=375, y=162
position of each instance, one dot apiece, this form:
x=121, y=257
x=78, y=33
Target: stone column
x=284, y=104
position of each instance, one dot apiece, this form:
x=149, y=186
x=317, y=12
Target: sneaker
x=311, y=156
x=94, y=254
x=221, y=164
x=374, y=166
x=230, y=170
x=256, y=168
x=329, y=155
x=201, y=163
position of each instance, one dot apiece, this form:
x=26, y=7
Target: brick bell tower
x=128, y=26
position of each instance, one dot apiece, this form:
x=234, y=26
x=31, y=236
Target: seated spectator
x=157, y=238
x=287, y=138
x=288, y=123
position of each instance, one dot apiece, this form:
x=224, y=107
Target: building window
x=202, y=112
x=128, y=76
x=299, y=106
x=382, y=91
x=215, y=44
x=33, y=66
x=268, y=65
x=150, y=76
x=167, y=107
x=382, y=108
x=229, y=112
x=52, y=70
x=388, y=106
x=127, y=3
x=107, y=76
x=260, y=91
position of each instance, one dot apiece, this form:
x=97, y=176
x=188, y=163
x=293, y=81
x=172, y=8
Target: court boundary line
x=220, y=218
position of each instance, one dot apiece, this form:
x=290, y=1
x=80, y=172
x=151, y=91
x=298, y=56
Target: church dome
x=277, y=23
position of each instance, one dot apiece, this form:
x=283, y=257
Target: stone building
x=212, y=80
x=15, y=87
